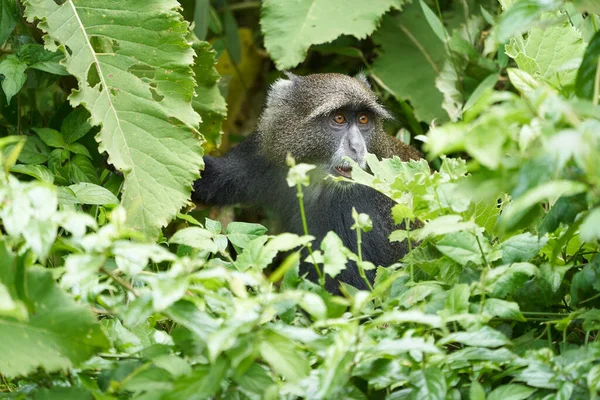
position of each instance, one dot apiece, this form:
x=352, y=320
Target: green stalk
x=300, y=196
x=361, y=270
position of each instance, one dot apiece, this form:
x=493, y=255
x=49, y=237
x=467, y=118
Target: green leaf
x=523, y=81
x=59, y=333
x=118, y=53
x=464, y=247
x=476, y=391
x=88, y=193
x=201, y=18
x=444, y=225
x=81, y=169
x=283, y=356
x=411, y=58
x=484, y=337
x=586, y=75
x=486, y=86
x=548, y=53
x=434, y=22
x=511, y=392
x=593, y=379
x=8, y=19
x=39, y=172
x=313, y=22
x=76, y=125
x=51, y=137
x=457, y=300
x=430, y=383
x=339, y=360
x=242, y=233
x=521, y=248
x=13, y=70
x=209, y=102
x=196, y=237
x=507, y=279
x=503, y=309
x=513, y=213
x=334, y=257
x=520, y=17
x=34, y=151
x=37, y=57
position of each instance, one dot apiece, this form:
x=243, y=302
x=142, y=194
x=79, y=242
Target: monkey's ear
x=363, y=78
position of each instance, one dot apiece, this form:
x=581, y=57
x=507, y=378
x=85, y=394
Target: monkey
x=319, y=119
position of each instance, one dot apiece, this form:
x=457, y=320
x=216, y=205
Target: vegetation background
x=113, y=286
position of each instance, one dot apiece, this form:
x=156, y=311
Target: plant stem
x=300, y=196
x=361, y=270
x=597, y=84
x=120, y=281
x=412, y=267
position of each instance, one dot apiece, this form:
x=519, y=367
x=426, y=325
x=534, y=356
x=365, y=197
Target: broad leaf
x=13, y=71
x=59, y=333
x=309, y=22
x=8, y=19
x=586, y=75
x=411, y=58
x=132, y=63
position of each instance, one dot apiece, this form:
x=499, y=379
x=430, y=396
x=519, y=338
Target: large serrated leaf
x=132, y=63
x=309, y=22
x=411, y=59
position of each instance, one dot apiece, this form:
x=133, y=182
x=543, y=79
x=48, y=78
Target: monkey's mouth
x=344, y=169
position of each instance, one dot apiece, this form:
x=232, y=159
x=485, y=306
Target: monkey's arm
x=388, y=146
x=237, y=177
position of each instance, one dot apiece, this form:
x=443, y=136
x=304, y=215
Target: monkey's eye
x=363, y=119
x=339, y=118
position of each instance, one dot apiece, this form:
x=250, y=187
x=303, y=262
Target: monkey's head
x=320, y=119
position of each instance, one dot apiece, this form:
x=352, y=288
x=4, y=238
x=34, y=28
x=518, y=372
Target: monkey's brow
x=373, y=107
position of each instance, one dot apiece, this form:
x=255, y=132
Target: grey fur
x=301, y=100
x=296, y=120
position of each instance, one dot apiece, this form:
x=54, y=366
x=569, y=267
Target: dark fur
x=254, y=172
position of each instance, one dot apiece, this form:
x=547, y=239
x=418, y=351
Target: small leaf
x=334, y=258
x=13, y=70
x=88, y=193
x=503, y=309
x=201, y=18
x=590, y=228
x=522, y=80
x=39, y=172
x=283, y=356
x=513, y=213
x=434, y=22
x=34, y=151
x=511, y=392
x=520, y=17
x=51, y=137
x=484, y=337
x=196, y=237
x=521, y=248
x=586, y=75
x=486, y=86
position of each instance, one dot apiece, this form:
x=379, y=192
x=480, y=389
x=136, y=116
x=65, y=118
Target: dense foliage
x=105, y=107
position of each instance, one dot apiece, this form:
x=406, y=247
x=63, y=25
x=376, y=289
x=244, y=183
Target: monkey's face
x=320, y=119
x=349, y=130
